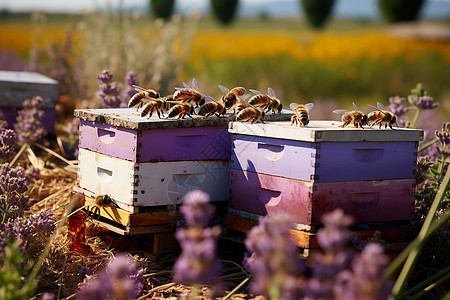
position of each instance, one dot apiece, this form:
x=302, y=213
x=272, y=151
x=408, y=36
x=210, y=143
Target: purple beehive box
x=122, y=133
x=305, y=172
x=15, y=87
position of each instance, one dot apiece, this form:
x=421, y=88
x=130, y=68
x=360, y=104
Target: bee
x=355, y=116
x=138, y=98
x=267, y=101
x=301, y=116
x=100, y=200
x=231, y=97
x=251, y=114
x=158, y=105
x=181, y=110
x=189, y=94
x=217, y=107
x=381, y=116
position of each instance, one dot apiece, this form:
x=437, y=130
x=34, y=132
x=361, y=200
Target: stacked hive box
x=148, y=165
x=306, y=172
x=15, y=87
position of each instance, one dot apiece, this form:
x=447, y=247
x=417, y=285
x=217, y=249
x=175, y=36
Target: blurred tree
x=224, y=10
x=162, y=8
x=400, y=10
x=317, y=11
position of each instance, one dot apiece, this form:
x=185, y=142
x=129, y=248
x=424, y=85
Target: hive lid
x=25, y=77
x=325, y=131
x=130, y=118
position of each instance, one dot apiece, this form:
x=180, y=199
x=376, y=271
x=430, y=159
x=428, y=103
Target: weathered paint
x=151, y=183
x=325, y=161
x=194, y=143
x=305, y=201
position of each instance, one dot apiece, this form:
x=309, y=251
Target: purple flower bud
x=335, y=235
x=423, y=102
x=197, y=209
x=7, y=143
x=105, y=76
x=396, y=106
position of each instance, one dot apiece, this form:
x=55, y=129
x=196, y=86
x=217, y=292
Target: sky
x=346, y=8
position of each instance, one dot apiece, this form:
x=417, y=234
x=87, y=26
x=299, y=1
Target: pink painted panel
x=305, y=202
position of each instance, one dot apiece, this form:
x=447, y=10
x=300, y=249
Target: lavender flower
x=420, y=99
x=274, y=260
x=396, y=106
x=44, y=224
x=12, y=186
x=197, y=209
x=20, y=229
x=131, y=79
x=108, y=91
x=120, y=279
x=31, y=174
x=443, y=144
x=335, y=235
x=29, y=125
x=197, y=263
x=7, y=143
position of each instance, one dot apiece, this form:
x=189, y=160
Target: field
x=349, y=61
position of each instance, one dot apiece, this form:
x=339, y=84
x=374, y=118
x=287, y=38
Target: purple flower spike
x=197, y=209
x=30, y=126
x=396, y=106
x=108, y=91
x=7, y=143
x=335, y=235
x=274, y=260
x=420, y=99
x=105, y=76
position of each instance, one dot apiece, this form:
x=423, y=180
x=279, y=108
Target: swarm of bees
x=188, y=101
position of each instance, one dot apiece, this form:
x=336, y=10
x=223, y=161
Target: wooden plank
x=133, y=230
x=125, y=218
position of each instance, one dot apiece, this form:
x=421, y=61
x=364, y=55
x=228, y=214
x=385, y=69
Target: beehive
x=15, y=87
x=142, y=162
x=306, y=172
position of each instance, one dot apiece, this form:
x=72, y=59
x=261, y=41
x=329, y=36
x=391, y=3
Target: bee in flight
x=268, y=101
x=214, y=107
x=231, y=97
x=251, y=114
x=159, y=105
x=355, y=117
x=138, y=98
x=189, y=94
x=181, y=110
x=382, y=116
x=301, y=116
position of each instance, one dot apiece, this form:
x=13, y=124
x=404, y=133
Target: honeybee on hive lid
x=355, y=117
x=301, y=116
x=213, y=107
x=138, y=98
x=267, y=101
x=190, y=93
x=159, y=105
x=181, y=110
x=231, y=97
x=251, y=114
x=382, y=116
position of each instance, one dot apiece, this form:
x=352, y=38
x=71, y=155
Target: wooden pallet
x=154, y=222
